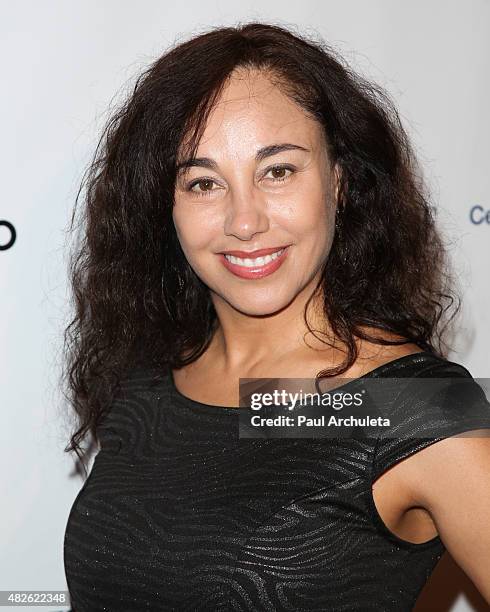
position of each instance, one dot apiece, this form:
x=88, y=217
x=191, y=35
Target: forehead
x=252, y=111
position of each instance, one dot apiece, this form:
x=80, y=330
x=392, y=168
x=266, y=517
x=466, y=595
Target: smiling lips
x=255, y=264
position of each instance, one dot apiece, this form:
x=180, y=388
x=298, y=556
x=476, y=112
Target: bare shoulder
x=450, y=479
x=373, y=355
x=441, y=472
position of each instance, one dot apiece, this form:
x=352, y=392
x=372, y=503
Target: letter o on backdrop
x=479, y=215
x=13, y=235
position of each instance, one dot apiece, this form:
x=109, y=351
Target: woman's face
x=260, y=180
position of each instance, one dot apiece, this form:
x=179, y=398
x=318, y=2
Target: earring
x=169, y=299
x=340, y=233
x=180, y=280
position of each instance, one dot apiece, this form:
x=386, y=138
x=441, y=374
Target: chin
x=253, y=305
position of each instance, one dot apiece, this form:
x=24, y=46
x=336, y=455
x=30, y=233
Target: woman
x=253, y=212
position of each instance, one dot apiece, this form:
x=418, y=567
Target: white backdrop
x=61, y=65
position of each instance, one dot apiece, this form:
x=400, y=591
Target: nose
x=246, y=214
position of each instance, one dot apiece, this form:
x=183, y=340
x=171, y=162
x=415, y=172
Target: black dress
x=178, y=513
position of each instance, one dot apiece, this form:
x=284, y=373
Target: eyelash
x=203, y=194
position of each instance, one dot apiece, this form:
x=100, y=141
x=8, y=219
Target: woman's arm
x=451, y=480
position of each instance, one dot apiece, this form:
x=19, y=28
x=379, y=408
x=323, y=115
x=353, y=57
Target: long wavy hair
x=387, y=268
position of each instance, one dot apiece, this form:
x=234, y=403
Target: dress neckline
x=233, y=409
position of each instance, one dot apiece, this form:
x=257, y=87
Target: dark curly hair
x=387, y=268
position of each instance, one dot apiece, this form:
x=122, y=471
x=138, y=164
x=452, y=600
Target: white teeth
x=252, y=263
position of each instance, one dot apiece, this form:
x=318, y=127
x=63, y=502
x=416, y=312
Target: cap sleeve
x=430, y=409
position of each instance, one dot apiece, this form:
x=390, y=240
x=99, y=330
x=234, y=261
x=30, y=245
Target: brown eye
x=204, y=184
x=280, y=173
x=205, y=187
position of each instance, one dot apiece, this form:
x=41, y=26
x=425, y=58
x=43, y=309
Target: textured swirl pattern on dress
x=180, y=514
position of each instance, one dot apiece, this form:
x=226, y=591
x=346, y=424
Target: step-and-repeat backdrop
x=63, y=67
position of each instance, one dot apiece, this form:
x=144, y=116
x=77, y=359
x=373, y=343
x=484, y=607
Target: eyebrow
x=268, y=151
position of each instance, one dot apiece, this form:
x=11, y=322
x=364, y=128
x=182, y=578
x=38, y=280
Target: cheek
x=194, y=231
x=313, y=225
x=312, y=216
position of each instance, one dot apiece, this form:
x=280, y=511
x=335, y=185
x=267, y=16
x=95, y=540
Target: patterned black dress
x=179, y=513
